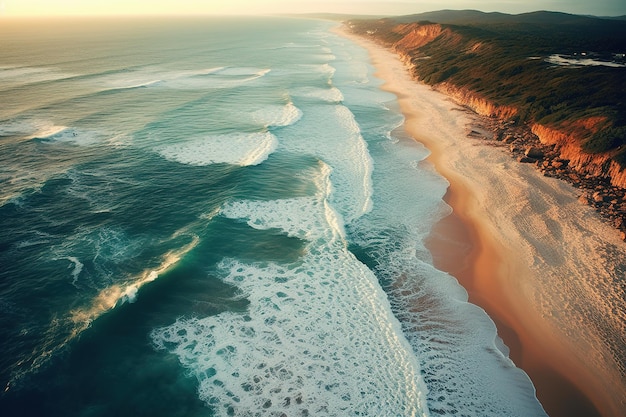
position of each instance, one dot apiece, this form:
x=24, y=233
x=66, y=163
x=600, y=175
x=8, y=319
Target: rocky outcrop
x=568, y=146
x=547, y=156
x=565, y=141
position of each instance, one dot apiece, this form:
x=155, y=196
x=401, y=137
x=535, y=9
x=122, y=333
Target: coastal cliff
x=538, y=78
x=568, y=144
x=476, y=102
x=566, y=139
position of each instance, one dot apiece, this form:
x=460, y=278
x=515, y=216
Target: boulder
x=584, y=198
x=597, y=197
x=565, y=162
x=509, y=139
x=534, y=152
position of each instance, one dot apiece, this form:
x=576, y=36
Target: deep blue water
x=212, y=217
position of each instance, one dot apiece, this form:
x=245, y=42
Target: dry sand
x=547, y=269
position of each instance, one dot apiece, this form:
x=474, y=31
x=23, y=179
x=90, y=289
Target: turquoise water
x=213, y=217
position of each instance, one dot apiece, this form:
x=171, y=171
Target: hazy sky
x=391, y=7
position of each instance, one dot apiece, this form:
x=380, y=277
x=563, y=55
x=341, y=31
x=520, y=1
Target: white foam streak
x=30, y=128
x=332, y=134
x=261, y=153
x=11, y=77
x=193, y=73
x=325, y=69
x=333, y=218
x=78, y=268
x=48, y=131
x=237, y=149
x=218, y=77
x=79, y=136
x=329, y=95
x=277, y=116
x=362, y=156
x=208, y=71
x=300, y=45
x=138, y=85
x=116, y=295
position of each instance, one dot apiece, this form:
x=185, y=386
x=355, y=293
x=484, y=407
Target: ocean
x=224, y=217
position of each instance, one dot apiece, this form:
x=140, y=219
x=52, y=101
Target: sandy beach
x=547, y=270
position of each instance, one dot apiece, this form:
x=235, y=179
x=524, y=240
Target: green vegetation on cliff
x=544, y=64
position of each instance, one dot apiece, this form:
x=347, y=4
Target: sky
x=19, y=8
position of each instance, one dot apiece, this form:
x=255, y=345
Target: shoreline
x=498, y=269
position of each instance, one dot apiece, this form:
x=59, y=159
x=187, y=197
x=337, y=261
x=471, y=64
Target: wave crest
x=278, y=116
x=237, y=149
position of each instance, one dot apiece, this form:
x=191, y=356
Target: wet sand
x=546, y=269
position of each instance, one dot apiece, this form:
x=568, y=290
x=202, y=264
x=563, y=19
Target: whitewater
x=224, y=218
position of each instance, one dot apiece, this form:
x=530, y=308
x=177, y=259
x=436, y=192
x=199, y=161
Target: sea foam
x=154, y=76
x=238, y=149
x=330, y=95
x=137, y=84
x=77, y=268
x=79, y=136
x=332, y=134
x=464, y=363
x=12, y=77
x=30, y=128
x=225, y=77
x=277, y=116
x=72, y=135
x=318, y=337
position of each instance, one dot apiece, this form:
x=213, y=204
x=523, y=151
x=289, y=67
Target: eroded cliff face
x=568, y=145
x=567, y=139
x=415, y=35
x=475, y=102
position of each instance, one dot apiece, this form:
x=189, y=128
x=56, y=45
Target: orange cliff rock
x=567, y=139
x=477, y=103
x=415, y=35
x=568, y=145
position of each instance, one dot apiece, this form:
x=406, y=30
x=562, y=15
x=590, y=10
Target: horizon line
x=275, y=14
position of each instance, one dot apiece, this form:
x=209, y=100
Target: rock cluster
x=522, y=144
